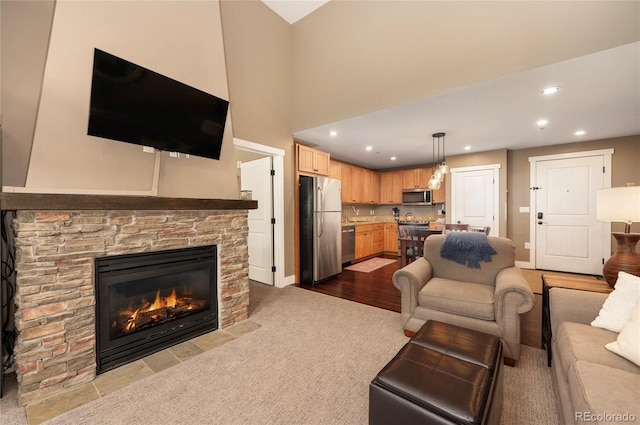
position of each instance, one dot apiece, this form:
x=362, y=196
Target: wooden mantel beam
x=56, y=202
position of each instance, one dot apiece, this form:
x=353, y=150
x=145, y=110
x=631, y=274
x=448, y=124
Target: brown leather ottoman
x=444, y=375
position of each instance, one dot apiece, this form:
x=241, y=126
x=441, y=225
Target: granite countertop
x=351, y=221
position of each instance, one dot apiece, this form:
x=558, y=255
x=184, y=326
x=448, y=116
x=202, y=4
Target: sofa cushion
x=578, y=341
x=461, y=298
x=598, y=390
x=617, y=308
x=628, y=343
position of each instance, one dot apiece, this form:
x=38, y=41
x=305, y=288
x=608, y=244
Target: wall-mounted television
x=133, y=104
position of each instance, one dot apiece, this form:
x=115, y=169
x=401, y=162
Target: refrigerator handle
x=320, y=199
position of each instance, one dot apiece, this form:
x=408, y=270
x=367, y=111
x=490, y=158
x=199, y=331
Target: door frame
x=533, y=162
x=280, y=280
x=496, y=192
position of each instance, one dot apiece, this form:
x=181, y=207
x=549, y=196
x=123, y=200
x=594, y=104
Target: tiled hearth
x=121, y=377
x=55, y=301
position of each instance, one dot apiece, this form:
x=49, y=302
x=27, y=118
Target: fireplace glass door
x=147, y=302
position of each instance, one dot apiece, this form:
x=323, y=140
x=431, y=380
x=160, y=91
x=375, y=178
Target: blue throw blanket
x=467, y=248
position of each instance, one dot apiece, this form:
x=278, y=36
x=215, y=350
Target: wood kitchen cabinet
x=378, y=239
x=346, y=176
x=313, y=161
x=371, y=187
x=335, y=170
x=416, y=178
x=358, y=195
x=391, y=237
x=391, y=188
x=364, y=241
x=369, y=240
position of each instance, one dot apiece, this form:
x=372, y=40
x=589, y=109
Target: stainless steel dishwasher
x=348, y=243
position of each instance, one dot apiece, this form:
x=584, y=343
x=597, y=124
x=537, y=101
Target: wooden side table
x=569, y=282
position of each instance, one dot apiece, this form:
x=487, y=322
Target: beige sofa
x=489, y=299
x=591, y=384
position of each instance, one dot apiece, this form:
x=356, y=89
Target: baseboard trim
x=287, y=281
x=525, y=265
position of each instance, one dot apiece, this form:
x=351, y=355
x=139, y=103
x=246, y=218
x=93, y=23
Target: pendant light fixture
x=443, y=167
x=434, y=181
x=437, y=173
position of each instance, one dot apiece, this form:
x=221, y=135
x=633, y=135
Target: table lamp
x=621, y=204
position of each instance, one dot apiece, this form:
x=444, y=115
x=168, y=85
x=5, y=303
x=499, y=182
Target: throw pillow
x=628, y=343
x=616, y=310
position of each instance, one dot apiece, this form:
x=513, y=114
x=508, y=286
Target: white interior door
x=567, y=235
x=256, y=176
x=474, y=196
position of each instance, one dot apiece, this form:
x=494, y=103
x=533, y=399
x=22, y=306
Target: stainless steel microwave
x=417, y=197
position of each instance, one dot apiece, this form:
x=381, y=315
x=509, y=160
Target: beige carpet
x=310, y=362
x=371, y=265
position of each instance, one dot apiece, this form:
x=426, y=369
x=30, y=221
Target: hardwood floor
x=376, y=289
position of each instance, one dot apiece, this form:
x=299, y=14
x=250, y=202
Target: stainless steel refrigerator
x=320, y=228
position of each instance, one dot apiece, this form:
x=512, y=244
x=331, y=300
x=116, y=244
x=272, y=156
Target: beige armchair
x=489, y=299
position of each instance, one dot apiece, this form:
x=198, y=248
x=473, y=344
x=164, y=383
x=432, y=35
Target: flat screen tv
x=133, y=104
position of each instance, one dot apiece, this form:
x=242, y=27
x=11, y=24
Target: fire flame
x=157, y=303
x=161, y=309
x=172, y=299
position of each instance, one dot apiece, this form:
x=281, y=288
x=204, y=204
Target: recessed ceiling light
x=467, y=148
x=542, y=122
x=368, y=148
x=333, y=133
x=580, y=133
x=393, y=158
x=551, y=90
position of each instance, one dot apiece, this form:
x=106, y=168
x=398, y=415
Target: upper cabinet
x=346, y=176
x=335, y=170
x=416, y=178
x=359, y=185
x=371, y=187
x=313, y=161
x=391, y=187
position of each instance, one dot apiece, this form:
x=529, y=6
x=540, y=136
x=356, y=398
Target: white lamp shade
x=619, y=204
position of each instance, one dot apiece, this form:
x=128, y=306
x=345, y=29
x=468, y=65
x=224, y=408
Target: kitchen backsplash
x=382, y=212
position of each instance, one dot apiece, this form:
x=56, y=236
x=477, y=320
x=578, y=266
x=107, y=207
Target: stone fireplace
x=56, y=248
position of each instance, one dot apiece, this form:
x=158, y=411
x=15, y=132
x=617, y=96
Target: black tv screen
x=133, y=104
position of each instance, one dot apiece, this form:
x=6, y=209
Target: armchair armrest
x=573, y=305
x=513, y=296
x=410, y=280
x=512, y=287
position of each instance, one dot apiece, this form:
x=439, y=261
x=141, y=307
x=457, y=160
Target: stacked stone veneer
x=55, y=252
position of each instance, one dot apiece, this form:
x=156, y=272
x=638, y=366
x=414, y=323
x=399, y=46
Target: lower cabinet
x=369, y=240
x=378, y=239
x=390, y=237
x=364, y=242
